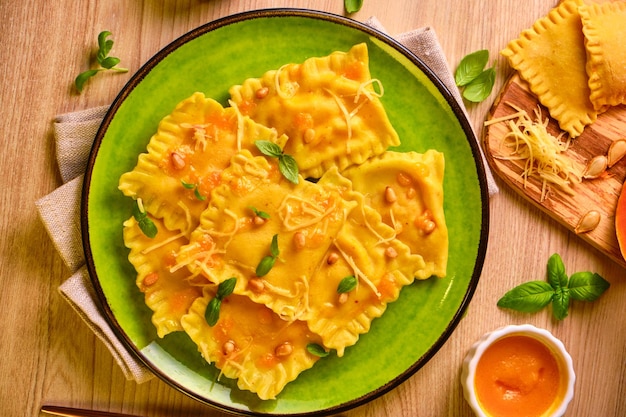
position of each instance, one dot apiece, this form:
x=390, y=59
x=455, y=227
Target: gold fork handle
x=78, y=412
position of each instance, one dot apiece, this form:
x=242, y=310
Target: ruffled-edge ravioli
x=407, y=190
x=185, y=157
x=604, y=27
x=230, y=242
x=251, y=343
x=364, y=248
x=551, y=57
x=169, y=295
x=327, y=106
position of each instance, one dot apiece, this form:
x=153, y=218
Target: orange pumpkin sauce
x=517, y=376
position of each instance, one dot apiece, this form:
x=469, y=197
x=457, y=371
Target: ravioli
x=168, y=294
x=327, y=106
x=604, y=27
x=228, y=242
x=407, y=190
x=551, y=57
x=364, y=248
x=186, y=156
x=250, y=343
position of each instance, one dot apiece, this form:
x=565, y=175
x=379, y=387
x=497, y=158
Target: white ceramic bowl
x=563, y=359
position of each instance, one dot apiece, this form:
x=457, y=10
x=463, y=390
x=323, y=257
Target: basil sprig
x=267, y=263
x=106, y=62
x=146, y=225
x=476, y=81
x=286, y=164
x=559, y=290
x=212, y=312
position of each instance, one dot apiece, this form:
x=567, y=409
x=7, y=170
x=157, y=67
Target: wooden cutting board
x=599, y=194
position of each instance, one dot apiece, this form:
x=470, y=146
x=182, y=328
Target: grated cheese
x=278, y=88
x=307, y=208
x=346, y=115
x=381, y=239
x=542, y=153
x=240, y=125
x=366, y=92
x=162, y=243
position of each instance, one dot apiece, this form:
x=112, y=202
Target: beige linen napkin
x=60, y=210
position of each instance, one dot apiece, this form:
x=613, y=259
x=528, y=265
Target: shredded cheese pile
x=543, y=154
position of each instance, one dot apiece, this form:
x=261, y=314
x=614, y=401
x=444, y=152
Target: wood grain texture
x=49, y=354
x=599, y=194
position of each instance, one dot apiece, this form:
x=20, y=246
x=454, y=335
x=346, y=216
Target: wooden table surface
x=51, y=357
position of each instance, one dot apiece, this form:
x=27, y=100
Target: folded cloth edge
x=79, y=293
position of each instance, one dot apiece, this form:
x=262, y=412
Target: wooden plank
x=599, y=194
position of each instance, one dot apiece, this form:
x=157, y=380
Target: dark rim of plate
x=311, y=14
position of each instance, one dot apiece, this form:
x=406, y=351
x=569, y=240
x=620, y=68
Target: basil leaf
x=269, y=148
x=146, y=225
x=259, y=213
x=470, y=67
x=109, y=62
x=199, y=196
x=353, y=6
x=317, y=350
x=347, y=284
x=528, y=297
x=104, y=45
x=587, y=286
x=480, y=87
x=556, y=272
x=560, y=303
x=82, y=78
x=265, y=266
x=212, y=312
x=288, y=167
x=226, y=288
x=274, y=246
x=187, y=185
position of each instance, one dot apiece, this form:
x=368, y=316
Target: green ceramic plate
x=211, y=59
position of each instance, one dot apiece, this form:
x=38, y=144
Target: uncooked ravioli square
x=604, y=28
x=551, y=57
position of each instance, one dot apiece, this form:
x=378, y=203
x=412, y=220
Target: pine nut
x=178, y=162
x=343, y=297
x=284, y=349
x=150, y=279
x=299, y=239
x=256, y=285
x=228, y=347
x=262, y=92
x=333, y=257
x=391, y=252
x=390, y=195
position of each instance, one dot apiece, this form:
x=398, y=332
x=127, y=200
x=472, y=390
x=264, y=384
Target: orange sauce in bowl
x=518, y=376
